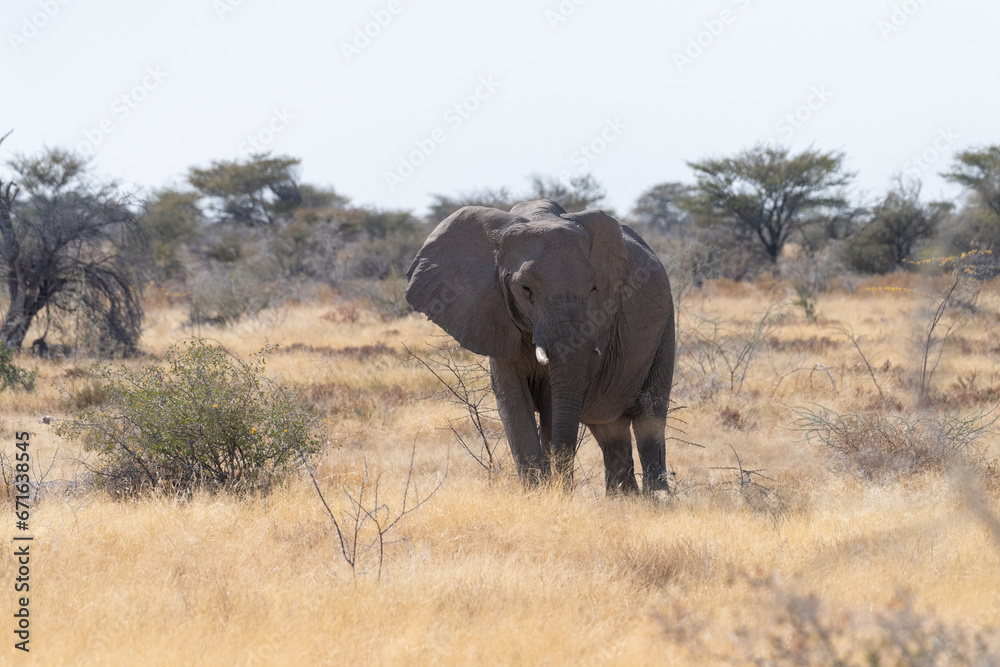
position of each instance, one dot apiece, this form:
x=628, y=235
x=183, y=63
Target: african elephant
x=575, y=313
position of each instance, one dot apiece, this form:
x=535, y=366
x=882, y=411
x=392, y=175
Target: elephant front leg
x=545, y=430
x=616, y=444
x=517, y=412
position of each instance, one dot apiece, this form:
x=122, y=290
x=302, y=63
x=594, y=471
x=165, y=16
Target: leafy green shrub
x=806, y=300
x=11, y=376
x=206, y=419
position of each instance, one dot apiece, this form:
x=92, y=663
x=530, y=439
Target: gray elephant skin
x=575, y=313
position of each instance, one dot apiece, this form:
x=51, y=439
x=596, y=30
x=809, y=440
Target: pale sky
x=154, y=88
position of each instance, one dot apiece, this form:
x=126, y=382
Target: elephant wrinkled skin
x=575, y=313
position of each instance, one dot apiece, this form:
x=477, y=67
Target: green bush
x=202, y=420
x=11, y=376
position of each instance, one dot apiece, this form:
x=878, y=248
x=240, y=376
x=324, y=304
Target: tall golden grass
x=485, y=572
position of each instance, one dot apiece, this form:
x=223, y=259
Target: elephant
x=575, y=314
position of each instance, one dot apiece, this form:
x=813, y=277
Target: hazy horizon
x=389, y=102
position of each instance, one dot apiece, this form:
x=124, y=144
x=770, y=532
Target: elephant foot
x=621, y=485
x=660, y=483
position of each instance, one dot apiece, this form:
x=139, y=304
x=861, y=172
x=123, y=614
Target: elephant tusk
x=597, y=350
x=543, y=358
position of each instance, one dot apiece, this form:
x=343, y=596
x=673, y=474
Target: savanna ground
x=774, y=548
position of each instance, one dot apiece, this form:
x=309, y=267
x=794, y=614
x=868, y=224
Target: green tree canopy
x=317, y=197
x=170, y=219
x=766, y=195
x=252, y=192
x=979, y=171
x=897, y=224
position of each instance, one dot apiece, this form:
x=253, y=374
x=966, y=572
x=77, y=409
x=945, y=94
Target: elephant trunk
x=565, y=343
x=568, y=377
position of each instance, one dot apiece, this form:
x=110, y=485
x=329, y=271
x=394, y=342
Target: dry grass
x=486, y=573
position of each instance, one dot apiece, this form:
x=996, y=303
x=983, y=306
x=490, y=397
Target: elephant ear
x=454, y=281
x=607, y=252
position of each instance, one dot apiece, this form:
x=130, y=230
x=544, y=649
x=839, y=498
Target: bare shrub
x=793, y=628
x=750, y=485
x=856, y=341
x=385, y=297
x=879, y=446
x=721, y=353
x=20, y=478
x=946, y=312
x=467, y=383
x=816, y=271
x=363, y=529
x=803, y=631
x=225, y=293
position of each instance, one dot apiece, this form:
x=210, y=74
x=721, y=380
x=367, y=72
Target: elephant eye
x=594, y=289
x=527, y=291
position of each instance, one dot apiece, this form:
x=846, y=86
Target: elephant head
x=533, y=286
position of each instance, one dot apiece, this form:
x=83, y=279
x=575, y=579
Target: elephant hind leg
x=616, y=444
x=651, y=443
x=650, y=415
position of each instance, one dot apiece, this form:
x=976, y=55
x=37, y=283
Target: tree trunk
x=14, y=329
x=18, y=319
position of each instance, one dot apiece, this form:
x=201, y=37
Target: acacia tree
x=253, y=192
x=68, y=244
x=979, y=170
x=767, y=195
x=978, y=225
